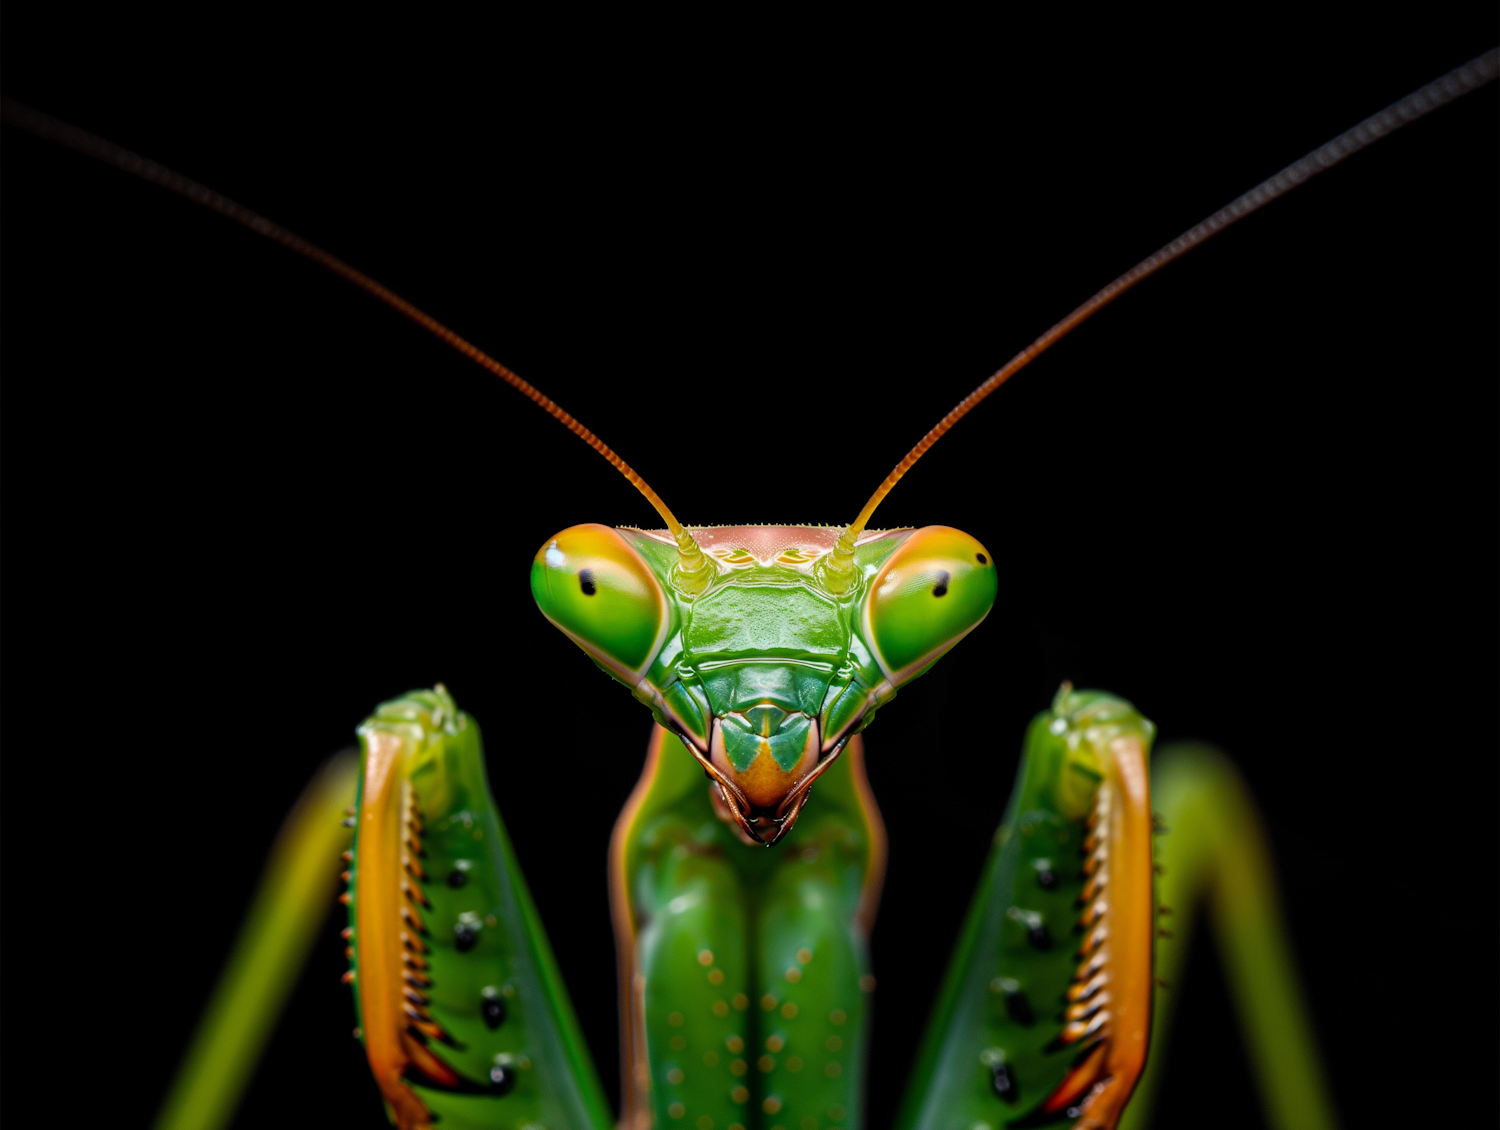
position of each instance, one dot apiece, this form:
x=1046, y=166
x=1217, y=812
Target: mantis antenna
x=691, y=562
x=839, y=570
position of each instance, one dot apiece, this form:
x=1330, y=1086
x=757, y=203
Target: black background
x=243, y=503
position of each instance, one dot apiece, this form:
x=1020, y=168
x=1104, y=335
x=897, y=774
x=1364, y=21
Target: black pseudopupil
x=941, y=588
x=586, y=582
x=982, y=559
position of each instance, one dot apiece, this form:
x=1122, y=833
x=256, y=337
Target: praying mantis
x=482, y=569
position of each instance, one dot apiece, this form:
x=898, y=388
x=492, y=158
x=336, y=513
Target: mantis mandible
x=1004, y=739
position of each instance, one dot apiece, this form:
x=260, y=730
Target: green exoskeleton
x=746, y=867
x=761, y=652
x=744, y=977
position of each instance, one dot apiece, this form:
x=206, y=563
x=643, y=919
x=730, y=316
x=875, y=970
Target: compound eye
x=591, y=583
x=929, y=594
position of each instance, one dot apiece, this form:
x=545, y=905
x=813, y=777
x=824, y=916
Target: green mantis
x=1004, y=736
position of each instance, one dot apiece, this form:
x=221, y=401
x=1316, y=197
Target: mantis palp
x=491, y=569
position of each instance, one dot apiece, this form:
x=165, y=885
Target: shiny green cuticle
x=591, y=584
x=742, y=742
x=934, y=589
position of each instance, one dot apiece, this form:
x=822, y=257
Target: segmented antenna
x=1454, y=84
x=90, y=145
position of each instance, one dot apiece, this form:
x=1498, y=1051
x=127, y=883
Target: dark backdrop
x=243, y=503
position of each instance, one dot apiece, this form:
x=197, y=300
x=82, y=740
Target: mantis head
x=759, y=661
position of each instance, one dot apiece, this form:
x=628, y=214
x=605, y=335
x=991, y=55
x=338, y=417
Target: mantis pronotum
x=350, y=688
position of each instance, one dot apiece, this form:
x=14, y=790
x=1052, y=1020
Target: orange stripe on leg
x=1132, y=922
x=378, y=908
x=1077, y=1083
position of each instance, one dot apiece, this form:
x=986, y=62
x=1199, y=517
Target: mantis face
x=766, y=670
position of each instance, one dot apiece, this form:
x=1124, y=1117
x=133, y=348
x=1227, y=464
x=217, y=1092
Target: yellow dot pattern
x=805, y=1071
x=713, y=1055
x=681, y=1089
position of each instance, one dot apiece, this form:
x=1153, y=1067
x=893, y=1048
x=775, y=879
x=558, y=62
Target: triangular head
x=764, y=669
